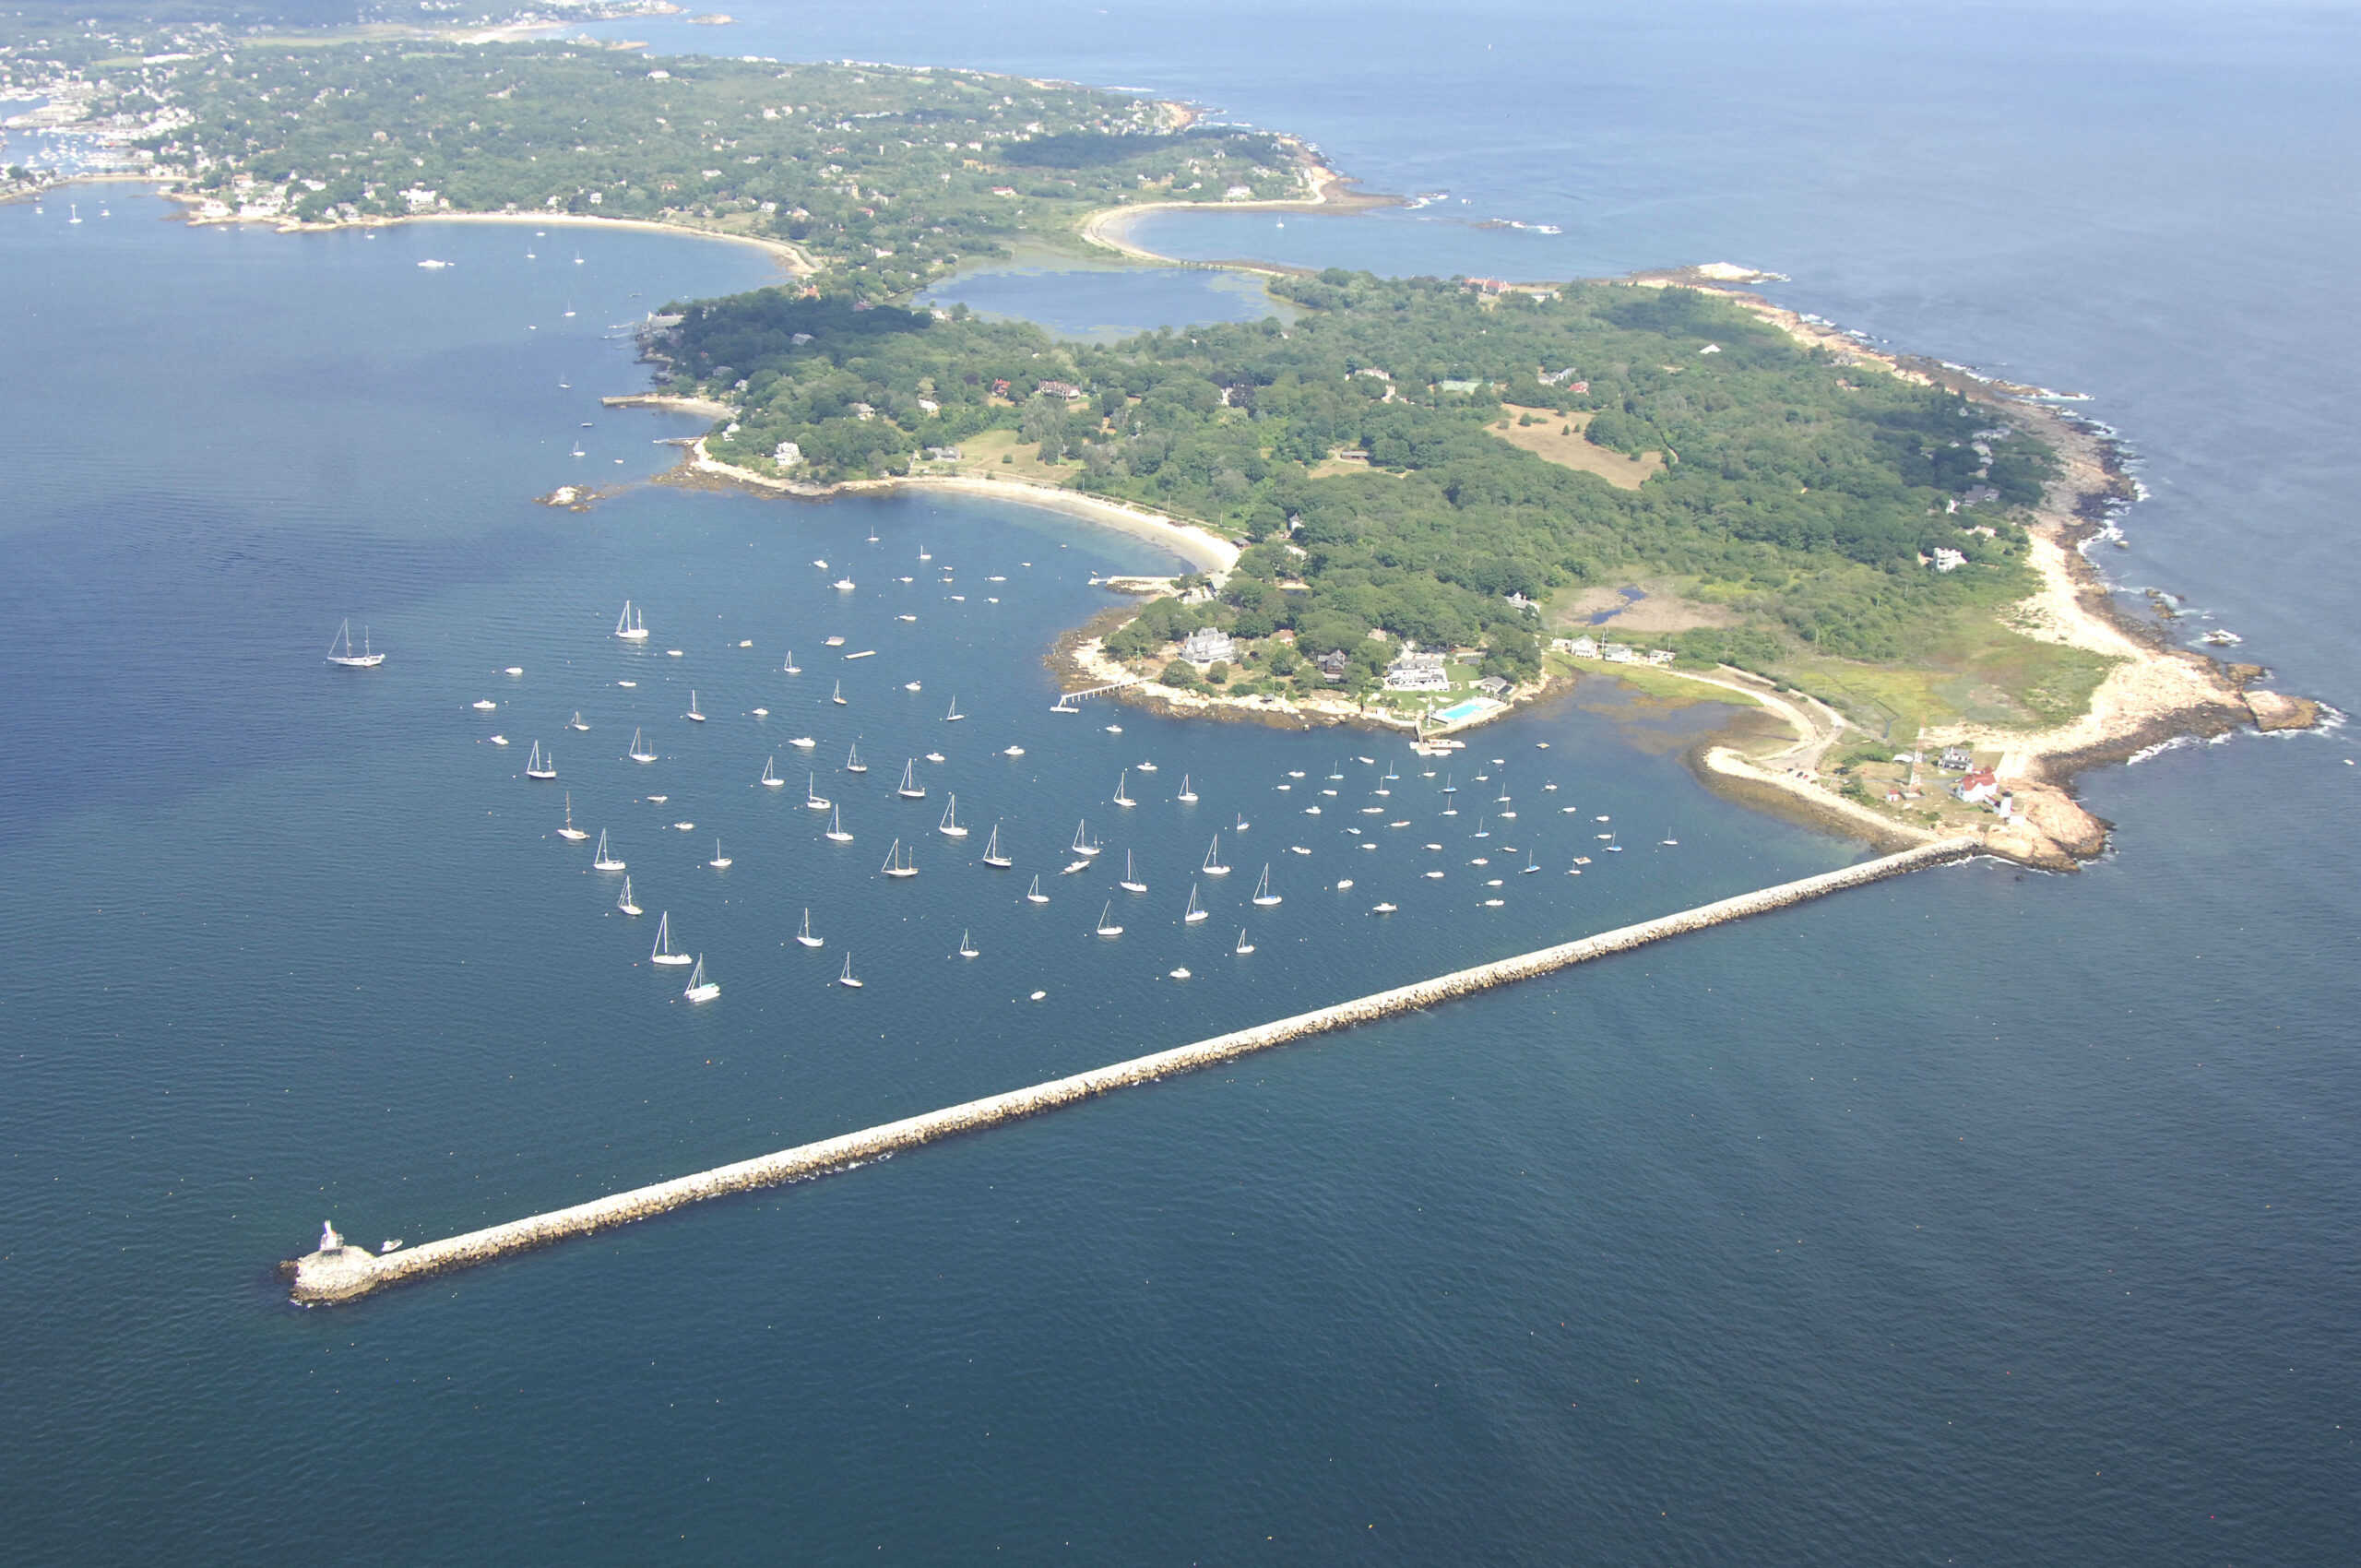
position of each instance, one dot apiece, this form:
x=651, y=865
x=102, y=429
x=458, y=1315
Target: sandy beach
x=1109, y=228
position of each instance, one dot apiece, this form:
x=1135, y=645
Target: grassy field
x=1570, y=450
x=1976, y=670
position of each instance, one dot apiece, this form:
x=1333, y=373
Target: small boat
x=811, y=796
x=790, y=667
x=1448, y=787
x=1243, y=946
x=1074, y=866
x=1213, y=866
x=949, y=826
x=910, y=788
x=624, y=903
x=1494, y=902
x=910, y=685
x=1612, y=847
x=1034, y=895
x=1187, y=796
x=577, y=724
x=934, y=756
x=1383, y=910
x=1297, y=849
x=1082, y=846
x=639, y=752
x=1104, y=928
x=804, y=935
x=719, y=862
x=569, y=831
x=605, y=859
x=1532, y=864
x=923, y=555
x=843, y=585
x=1194, y=912
x=364, y=660
x=845, y=977
x=1481, y=831
x=1262, y=893
x=1669, y=841
x=992, y=856
x=663, y=953
x=1178, y=974
x=1434, y=876
x=804, y=743
x=898, y=861
x=1147, y=767
x=1131, y=883
x=770, y=774
x=1114, y=728
x=835, y=642
x=1121, y=798
x=837, y=834
x=485, y=705
x=954, y=716
x=1343, y=884
x=700, y=988
x=629, y=626
x=684, y=827
x=628, y=685
x=1240, y=828
x=837, y=697
x=1013, y=751
x=966, y=948
x=693, y=714
x=853, y=761
x=495, y=740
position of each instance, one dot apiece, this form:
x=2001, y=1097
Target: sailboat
x=1034, y=895
x=663, y=953
x=719, y=862
x=790, y=667
x=639, y=752
x=838, y=695
x=993, y=857
x=954, y=716
x=628, y=625
x=898, y=861
x=699, y=988
x=1532, y=862
x=910, y=788
x=1131, y=883
x=1243, y=946
x=1448, y=787
x=966, y=948
x=364, y=660
x=1262, y=893
x=770, y=774
x=1668, y=839
x=605, y=859
x=624, y=903
x=569, y=831
x=1481, y=831
x=1104, y=928
x=837, y=834
x=577, y=724
x=846, y=979
x=853, y=763
x=812, y=796
x=1187, y=796
x=1192, y=914
x=692, y=714
x=1213, y=866
x=538, y=767
x=1240, y=828
x=804, y=935
x=1121, y=798
x=1084, y=847
x=950, y=827
x=1612, y=847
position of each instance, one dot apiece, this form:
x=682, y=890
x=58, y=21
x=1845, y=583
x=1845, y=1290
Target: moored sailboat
x=992, y=856
x=954, y=716
x=770, y=774
x=845, y=977
x=629, y=626
x=569, y=832
x=639, y=752
x=1213, y=866
x=719, y=862
x=966, y=948
x=693, y=714
x=605, y=859
x=949, y=827
x=910, y=788
x=898, y=861
x=1083, y=845
x=1131, y=883
x=1194, y=913
x=837, y=834
x=1034, y=894
x=812, y=796
x=1122, y=795
x=804, y=935
x=624, y=902
x=1187, y=796
x=1262, y=893
x=853, y=761
x=1243, y=946
x=364, y=660
x=699, y=988
x=1105, y=927
x=540, y=767
x=663, y=953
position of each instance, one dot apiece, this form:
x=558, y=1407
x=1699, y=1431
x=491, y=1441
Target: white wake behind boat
x=992, y=856
x=629, y=626
x=364, y=660
x=663, y=953
x=949, y=827
x=569, y=832
x=699, y=988
x=605, y=860
x=804, y=935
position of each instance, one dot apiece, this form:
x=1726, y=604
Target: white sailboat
x=1243, y=946
x=1262, y=893
x=845, y=977
x=837, y=697
x=1213, y=866
x=1131, y=883
x=853, y=763
x=605, y=860
x=954, y=716
x=569, y=832
x=719, y=862
x=837, y=834
x=692, y=714
x=699, y=988
x=1240, y=826
x=1193, y=913
x=1668, y=841
x=1034, y=895
x=624, y=903
x=898, y=861
x=966, y=948
x=639, y=752
x=577, y=724
x=1187, y=796
x=790, y=667
x=1104, y=928
x=770, y=774
x=911, y=789
x=993, y=857
x=364, y=660
x=804, y=935
x=538, y=767
x=950, y=827
x=1083, y=845
x=628, y=625
x=1123, y=797
x=663, y=953
x=812, y=796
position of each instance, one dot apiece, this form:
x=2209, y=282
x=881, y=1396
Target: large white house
x=1206, y=645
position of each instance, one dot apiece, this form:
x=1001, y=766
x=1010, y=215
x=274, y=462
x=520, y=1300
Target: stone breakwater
x=343, y=1272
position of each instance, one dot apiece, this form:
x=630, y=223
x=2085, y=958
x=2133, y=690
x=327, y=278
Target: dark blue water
x=1974, y=1216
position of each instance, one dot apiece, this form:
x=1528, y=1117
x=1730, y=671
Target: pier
x=337, y=1272
x=1065, y=698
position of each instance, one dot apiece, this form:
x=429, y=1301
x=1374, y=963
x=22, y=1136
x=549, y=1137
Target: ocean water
x=1979, y=1216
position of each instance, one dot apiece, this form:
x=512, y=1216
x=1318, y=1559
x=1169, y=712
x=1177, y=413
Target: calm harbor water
x=1970, y=1218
